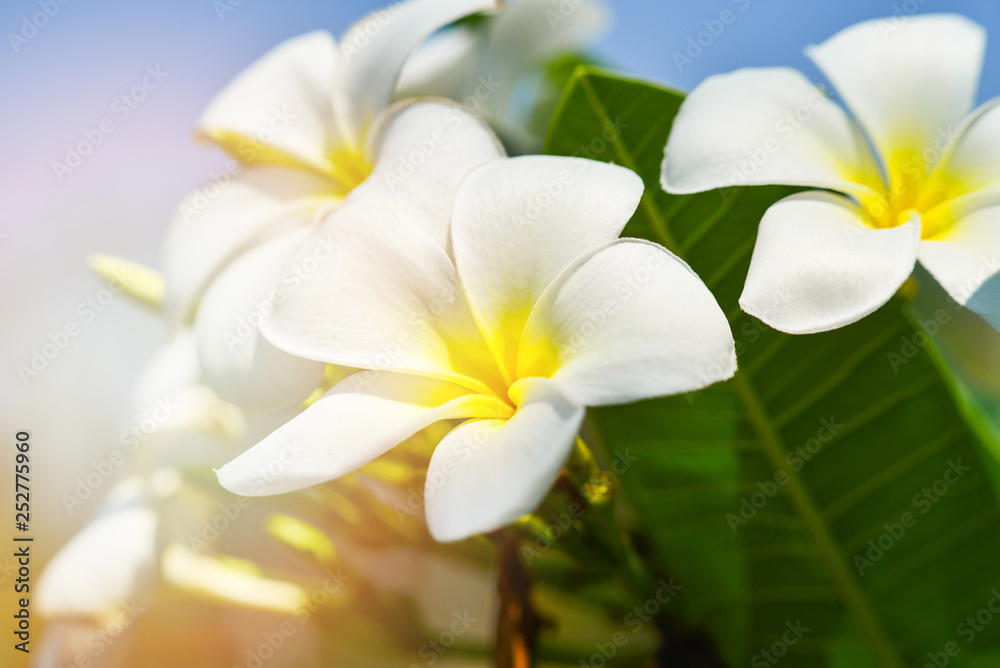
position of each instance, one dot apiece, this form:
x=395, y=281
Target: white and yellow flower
x=306, y=125
x=916, y=177
x=496, y=67
x=527, y=310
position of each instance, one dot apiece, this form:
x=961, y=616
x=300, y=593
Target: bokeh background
x=63, y=79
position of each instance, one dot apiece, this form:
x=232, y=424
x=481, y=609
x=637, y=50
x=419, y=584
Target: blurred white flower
x=916, y=178
x=306, y=124
x=100, y=569
x=484, y=66
x=526, y=310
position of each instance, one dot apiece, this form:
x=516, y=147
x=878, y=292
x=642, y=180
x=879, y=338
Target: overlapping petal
x=519, y=223
x=909, y=82
x=766, y=126
x=968, y=175
x=374, y=50
x=966, y=256
x=817, y=266
x=626, y=323
x=425, y=150
x=279, y=110
x=215, y=223
x=361, y=418
x=488, y=473
x=388, y=298
x=87, y=578
x=237, y=362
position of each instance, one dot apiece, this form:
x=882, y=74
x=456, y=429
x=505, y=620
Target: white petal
x=765, y=126
x=217, y=221
x=909, y=81
x=519, y=223
x=425, y=150
x=387, y=298
x=98, y=570
x=361, y=418
x=526, y=33
x=816, y=266
x=630, y=322
x=533, y=30
x=488, y=473
x=374, y=50
x=174, y=366
x=279, y=110
x=969, y=171
x=964, y=257
x=237, y=362
x=444, y=66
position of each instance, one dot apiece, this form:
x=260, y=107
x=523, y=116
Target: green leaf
x=823, y=443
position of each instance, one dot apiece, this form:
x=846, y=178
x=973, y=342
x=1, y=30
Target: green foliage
x=764, y=495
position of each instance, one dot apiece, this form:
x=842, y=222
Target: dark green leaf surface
x=875, y=407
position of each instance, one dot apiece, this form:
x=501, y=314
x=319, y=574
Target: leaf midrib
x=852, y=594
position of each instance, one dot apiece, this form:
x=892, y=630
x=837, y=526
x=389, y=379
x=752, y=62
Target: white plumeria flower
x=485, y=66
x=930, y=190
x=104, y=566
x=306, y=125
x=99, y=570
x=528, y=309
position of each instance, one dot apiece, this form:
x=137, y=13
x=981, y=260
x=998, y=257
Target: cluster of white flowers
x=912, y=175
x=393, y=239
x=377, y=258
x=446, y=281
x=373, y=262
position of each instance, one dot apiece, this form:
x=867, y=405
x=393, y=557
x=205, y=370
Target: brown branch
x=519, y=624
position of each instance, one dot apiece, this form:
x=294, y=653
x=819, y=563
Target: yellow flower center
x=350, y=169
x=346, y=168
x=912, y=190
